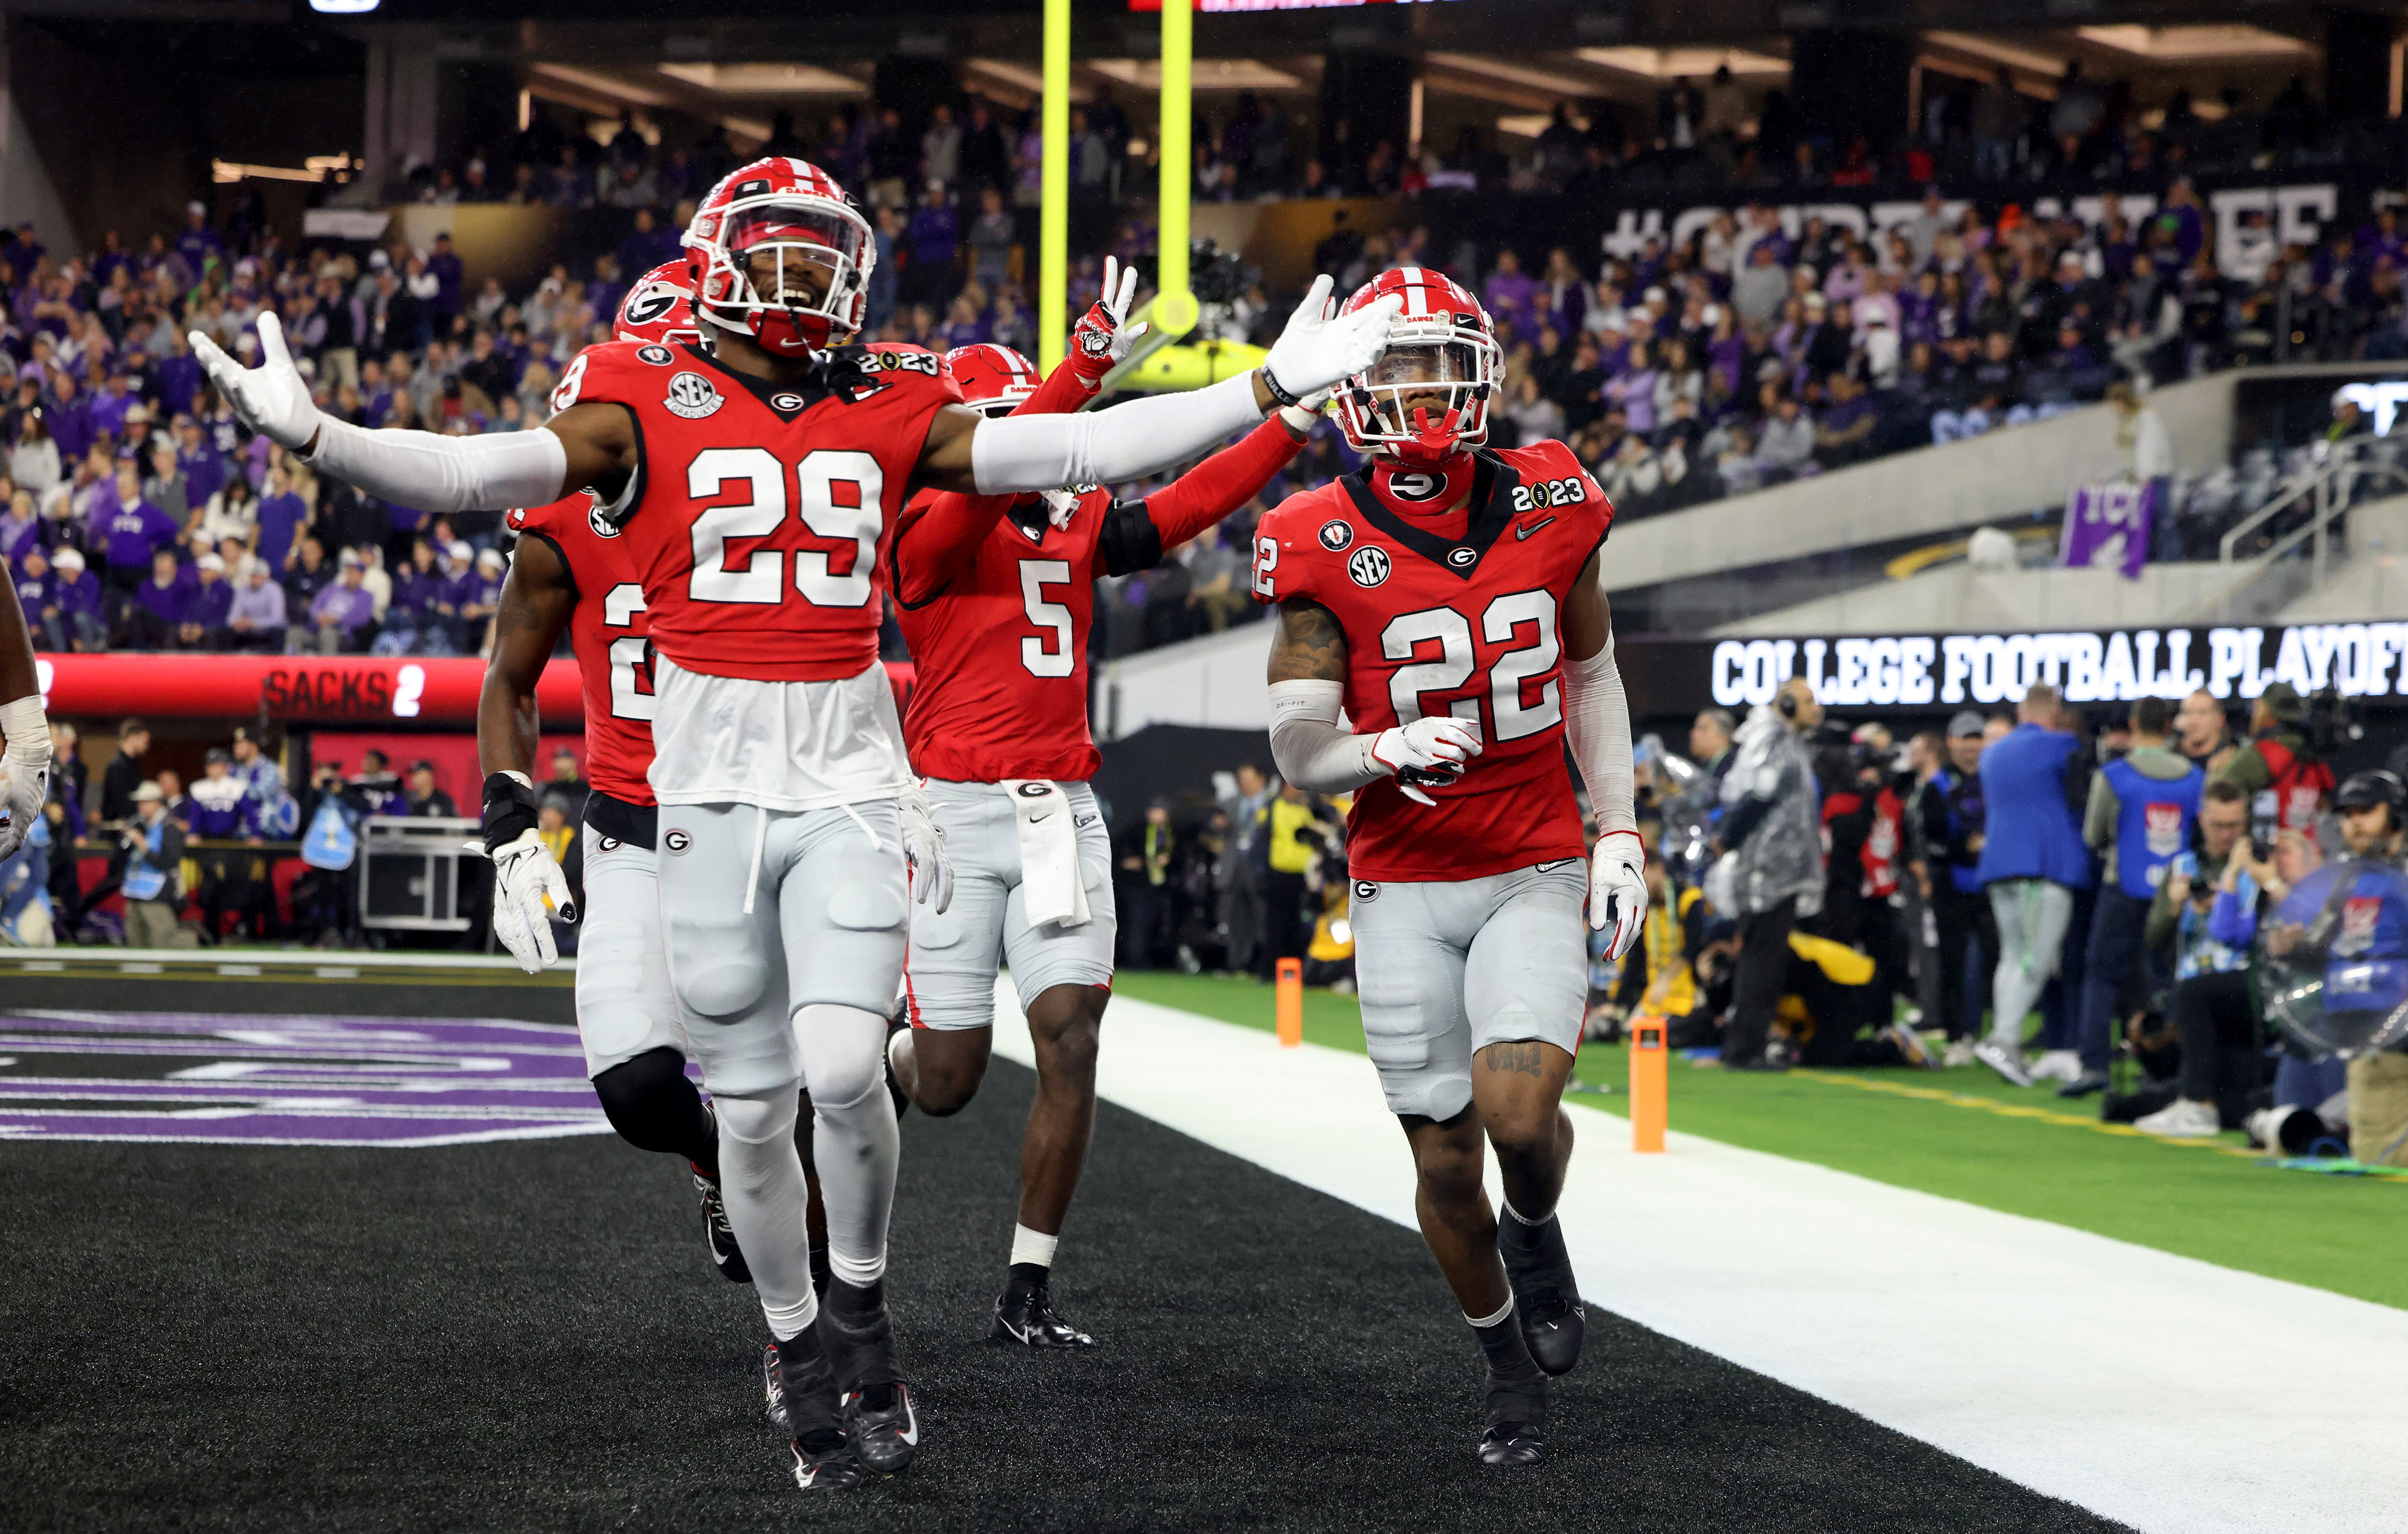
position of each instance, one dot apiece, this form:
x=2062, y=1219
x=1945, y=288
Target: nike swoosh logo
x=1523, y=530
x=1035, y=818
x=1560, y=862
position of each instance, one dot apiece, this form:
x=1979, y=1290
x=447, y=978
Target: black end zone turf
x=524, y=1335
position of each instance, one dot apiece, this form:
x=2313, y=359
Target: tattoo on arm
x=516, y=613
x=1311, y=643
x=1520, y=1058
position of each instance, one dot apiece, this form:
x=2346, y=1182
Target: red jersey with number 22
x=607, y=627
x=1456, y=613
x=760, y=509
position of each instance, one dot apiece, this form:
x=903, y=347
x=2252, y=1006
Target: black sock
x=821, y=1273
x=1509, y=1355
x=1026, y=1276
x=1524, y=1244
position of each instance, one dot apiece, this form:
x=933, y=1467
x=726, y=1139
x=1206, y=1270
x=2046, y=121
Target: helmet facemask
x=792, y=273
x=1426, y=398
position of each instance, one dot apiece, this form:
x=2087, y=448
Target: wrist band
x=509, y=810
x=24, y=726
x=1278, y=392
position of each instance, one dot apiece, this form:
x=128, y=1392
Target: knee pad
x=757, y=1118
x=649, y=1101
x=844, y=1054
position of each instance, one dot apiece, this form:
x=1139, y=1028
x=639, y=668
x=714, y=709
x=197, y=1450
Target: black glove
x=509, y=811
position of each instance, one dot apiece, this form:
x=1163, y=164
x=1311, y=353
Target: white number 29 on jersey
x=631, y=674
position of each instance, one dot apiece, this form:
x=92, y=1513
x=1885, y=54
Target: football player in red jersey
x=570, y=574
x=997, y=730
x=757, y=479
x=1447, y=599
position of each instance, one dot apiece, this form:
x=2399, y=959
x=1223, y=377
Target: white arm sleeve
x=1105, y=446
x=1596, y=721
x=1311, y=751
x=440, y=474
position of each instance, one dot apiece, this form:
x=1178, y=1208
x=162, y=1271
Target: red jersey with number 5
x=758, y=509
x=607, y=627
x=998, y=632
x=1456, y=613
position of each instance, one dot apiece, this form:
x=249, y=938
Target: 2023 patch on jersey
x=607, y=627
x=1457, y=613
x=760, y=510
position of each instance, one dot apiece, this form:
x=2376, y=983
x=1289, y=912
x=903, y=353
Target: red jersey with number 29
x=1457, y=613
x=607, y=626
x=759, y=509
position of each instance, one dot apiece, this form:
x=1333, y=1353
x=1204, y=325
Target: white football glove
x=1617, y=889
x=1319, y=349
x=273, y=398
x=923, y=844
x=1304, y=412
x=1432, y=750
x=524, y=875
x=24, y=784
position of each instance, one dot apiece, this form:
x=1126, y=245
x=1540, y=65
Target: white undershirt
x=784, y=745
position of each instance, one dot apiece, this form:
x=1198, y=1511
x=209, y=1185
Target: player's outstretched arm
x=587, y=446
x=966, y=452
x=1314, y=751
x=537, y=599
x=1596, y=722
x=1226, y=481
x=25, y=761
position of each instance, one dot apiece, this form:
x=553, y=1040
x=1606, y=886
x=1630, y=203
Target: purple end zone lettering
x=203, y=1078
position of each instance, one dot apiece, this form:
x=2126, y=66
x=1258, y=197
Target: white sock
x=855, y=1141
x=761, y=1176
x=1492, y=1320
x=1033, y=1246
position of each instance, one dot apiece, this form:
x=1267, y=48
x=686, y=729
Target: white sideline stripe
x=2157, y=1390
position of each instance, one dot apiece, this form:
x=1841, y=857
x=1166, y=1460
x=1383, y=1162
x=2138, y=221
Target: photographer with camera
x=150, y=858
x=2282, y=767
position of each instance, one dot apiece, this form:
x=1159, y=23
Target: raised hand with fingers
x=1320, y=349
x=272, y=399
x=1103, y=336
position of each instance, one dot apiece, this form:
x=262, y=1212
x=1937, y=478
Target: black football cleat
x=1545, y=1300
x=825, y=1461
x=1516, y=1431
x=1024, y=1314
x=803, y=1403
x=717, y=1233
x=878, y=1418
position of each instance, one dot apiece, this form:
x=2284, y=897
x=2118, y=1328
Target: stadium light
x=343, y=8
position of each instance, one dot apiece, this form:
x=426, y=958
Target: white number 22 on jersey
x=1510, y=717
x=631, y=675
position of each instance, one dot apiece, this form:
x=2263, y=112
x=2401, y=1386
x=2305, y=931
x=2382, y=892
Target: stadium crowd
x=135, y=512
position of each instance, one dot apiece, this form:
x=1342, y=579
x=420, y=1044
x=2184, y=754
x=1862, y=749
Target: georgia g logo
x=653, y=304
x=1415, y=487
x=677, y=842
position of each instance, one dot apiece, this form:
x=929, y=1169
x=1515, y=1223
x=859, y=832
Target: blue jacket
x=2153, y=824
x=2367, y=967
x=2031, y=833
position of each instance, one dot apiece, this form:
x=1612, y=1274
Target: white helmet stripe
x=1417, y=300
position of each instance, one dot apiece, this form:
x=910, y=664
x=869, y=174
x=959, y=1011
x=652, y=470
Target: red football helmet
x=994, y=379
x=660, y=307
x=1426, y=398
x=794, y=211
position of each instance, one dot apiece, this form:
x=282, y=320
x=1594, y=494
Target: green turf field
x=1966, y=1134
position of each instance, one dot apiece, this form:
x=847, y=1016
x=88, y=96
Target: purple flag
x=2108, y=527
